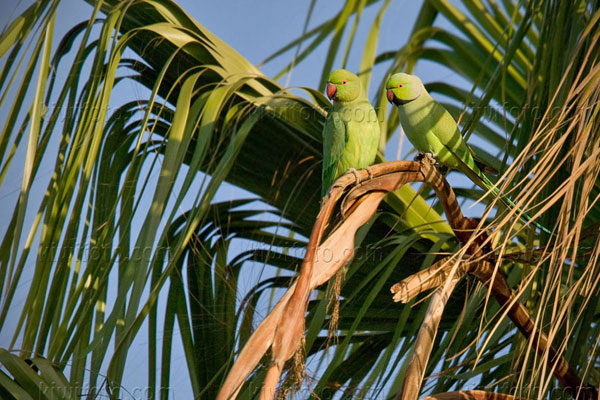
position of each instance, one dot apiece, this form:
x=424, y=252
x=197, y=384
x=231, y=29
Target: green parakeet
x=431, y=129
x=351, y=132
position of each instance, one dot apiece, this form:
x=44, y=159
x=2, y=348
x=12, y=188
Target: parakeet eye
x=344, y=82
x=400, y=85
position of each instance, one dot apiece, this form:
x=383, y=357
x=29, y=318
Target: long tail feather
x=474, y=173
x=482, y=181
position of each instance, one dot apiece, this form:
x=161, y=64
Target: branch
x=475, y=240
x=429, y=278
x=283, y=329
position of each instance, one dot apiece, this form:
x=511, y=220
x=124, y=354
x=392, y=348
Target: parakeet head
x=343, y=86
x=403, y=88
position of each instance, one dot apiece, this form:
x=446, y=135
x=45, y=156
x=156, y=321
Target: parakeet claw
x=430, y=157
x=370, y=171
x=355, y=173
x=420, y=157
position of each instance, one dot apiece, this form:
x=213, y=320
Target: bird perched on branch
x=351, y=132
x=431, y=129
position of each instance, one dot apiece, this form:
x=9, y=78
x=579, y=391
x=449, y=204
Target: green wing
x=334, y=142
x=467, y=165
x=445, y=128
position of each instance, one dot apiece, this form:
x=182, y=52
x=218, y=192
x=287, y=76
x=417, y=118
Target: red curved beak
x=331, y=89
x=390, y=95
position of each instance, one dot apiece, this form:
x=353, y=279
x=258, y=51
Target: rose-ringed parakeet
x=431, y=129
x=351, y=132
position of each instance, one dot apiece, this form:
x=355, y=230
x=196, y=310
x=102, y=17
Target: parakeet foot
x=370, y=171
x=355, y=173
x=420, y=157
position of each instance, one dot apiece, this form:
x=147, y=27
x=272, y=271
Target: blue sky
x=256, y=29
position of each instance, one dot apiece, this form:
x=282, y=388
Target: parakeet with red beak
x=351, y=132
x=431, y=129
